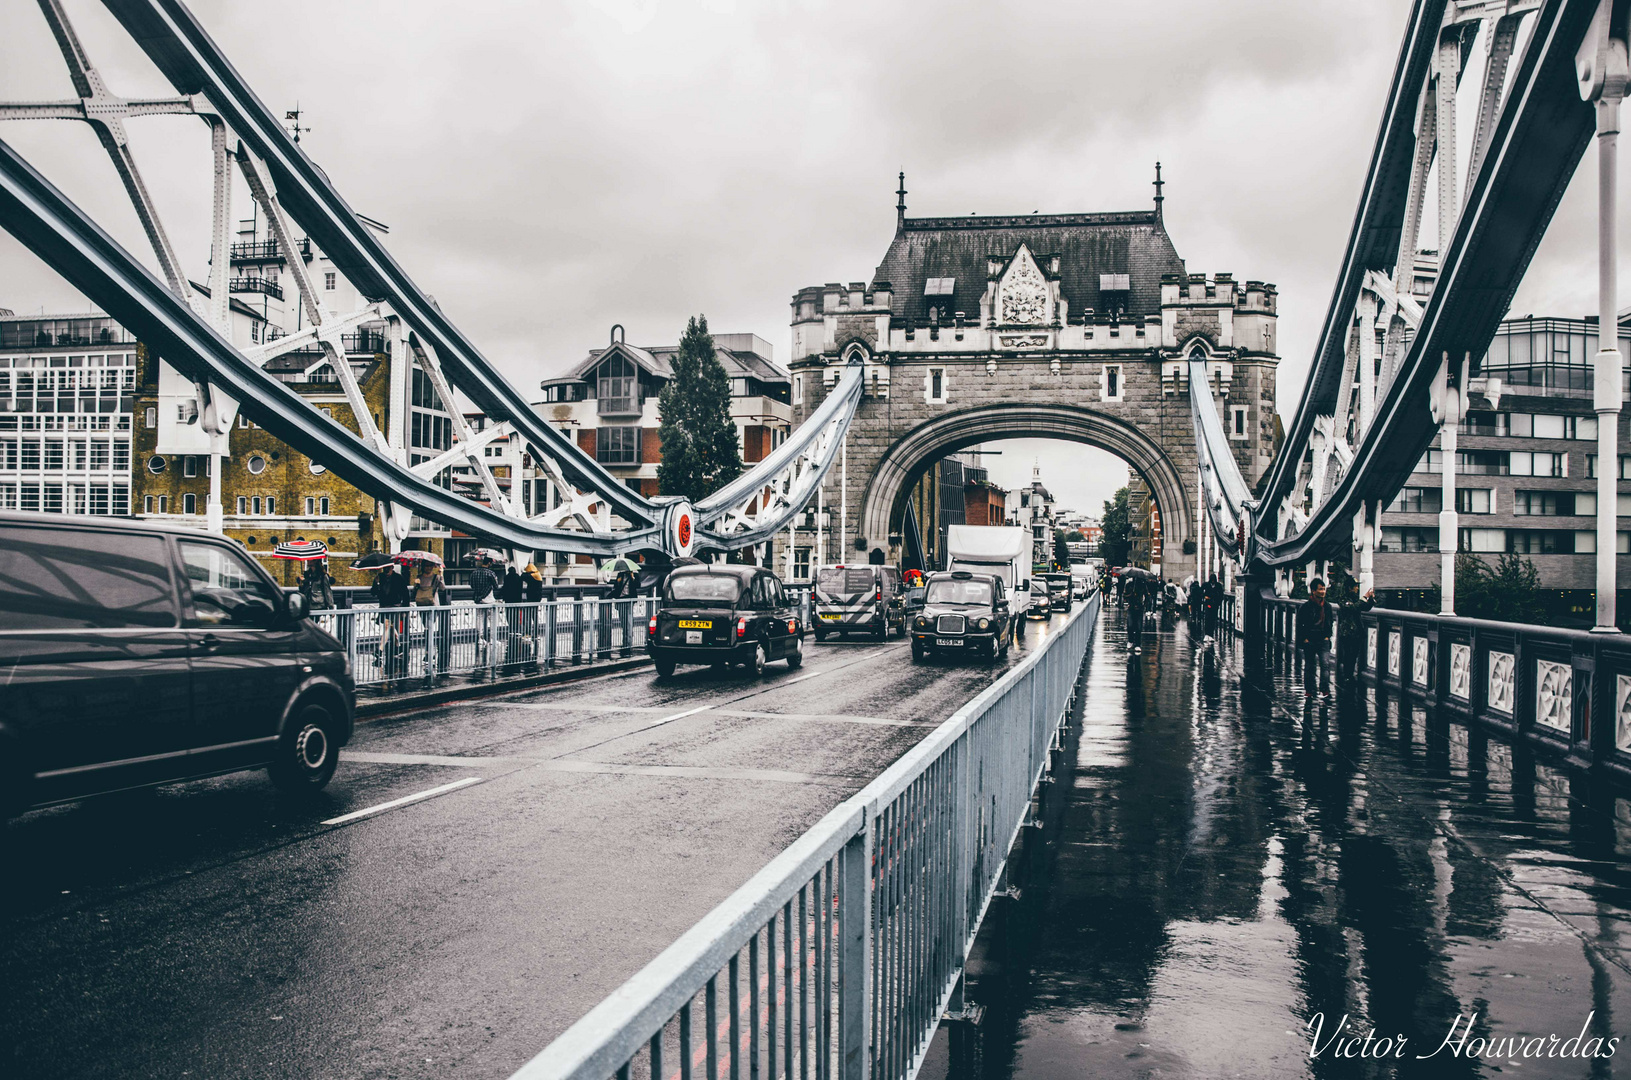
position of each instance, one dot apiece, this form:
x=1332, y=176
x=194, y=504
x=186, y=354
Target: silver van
x=859, y=600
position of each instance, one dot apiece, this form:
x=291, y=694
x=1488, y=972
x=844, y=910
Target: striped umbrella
x=301, y=550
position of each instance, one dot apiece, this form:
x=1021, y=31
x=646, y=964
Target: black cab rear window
x=704, y=588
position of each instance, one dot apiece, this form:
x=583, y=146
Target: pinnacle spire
x=1158, y=185
x=900, y=204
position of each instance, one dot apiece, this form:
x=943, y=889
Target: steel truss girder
x=181, y=49
x=66, y=239
x=1536, y=143
x=1224, y=493
x=284, y=181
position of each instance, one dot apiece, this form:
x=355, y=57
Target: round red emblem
x=685, y=530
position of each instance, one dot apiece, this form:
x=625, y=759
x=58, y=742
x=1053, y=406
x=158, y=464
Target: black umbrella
x=374, y=560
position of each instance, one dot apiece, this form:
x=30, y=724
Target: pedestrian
x=390, y=590
x=1211, y=603
x=512, y=591
x=1314, y=637
x=1350, y=631
x=316, y=584
x=534, y=583
x=430, y=591
x=483, y=582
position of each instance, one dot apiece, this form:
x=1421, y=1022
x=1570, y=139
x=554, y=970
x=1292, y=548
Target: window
x=164, y=504
x=1625, y=466
x=798, y=389
x=1475, y=501
x=1527, y=464
x=328, y=280
x=189, y=466
x=1545, y=503
x=151, y=415
x=147, y=504
x=1481, y=540
x=1417, y=500
x=69, y=579
x=224, y=589
x=189, y=504
x=271, y=504
x=155, y=464
x=1408, y=539
x=1110, y=382
x=243, y=505
x=1540, y=541
x=311, y=506
x=1237, y=421
x=255, y=504
x=617, y=446
x=257, y=464
x=322, y=506
x=939, y=286
x=934, y=389
x=618, y=387
x=801, y=564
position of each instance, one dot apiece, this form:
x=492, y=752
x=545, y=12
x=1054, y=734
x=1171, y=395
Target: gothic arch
x=884, y=502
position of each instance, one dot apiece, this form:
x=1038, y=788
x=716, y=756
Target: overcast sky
x=549, y=169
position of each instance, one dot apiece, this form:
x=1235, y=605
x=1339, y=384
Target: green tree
x=1115, y=543
x=1508, y=592
x=698, y=437
x=1061, y=550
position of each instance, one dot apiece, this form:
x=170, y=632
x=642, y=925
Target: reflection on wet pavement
x=1227, y=866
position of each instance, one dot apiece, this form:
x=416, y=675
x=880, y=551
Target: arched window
x=618, y=388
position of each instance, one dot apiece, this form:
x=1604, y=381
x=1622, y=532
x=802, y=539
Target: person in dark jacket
x=533, y=581
x=1314, y=637
x=316, y=583
x=483, y=583
x=390, y=590
x=1211, y=604
x=512, y=591
x=1350, y=631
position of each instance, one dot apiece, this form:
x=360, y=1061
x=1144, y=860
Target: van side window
x=225, y=590
x=67, y=579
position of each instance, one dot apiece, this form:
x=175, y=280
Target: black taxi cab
x=724, y=615
x=963, y=612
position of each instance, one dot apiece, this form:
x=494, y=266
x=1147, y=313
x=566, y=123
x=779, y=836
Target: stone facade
x=1076, y=327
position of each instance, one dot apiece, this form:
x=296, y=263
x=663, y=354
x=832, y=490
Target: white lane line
x=697, y=772
x=405, y=800
x=370, y=757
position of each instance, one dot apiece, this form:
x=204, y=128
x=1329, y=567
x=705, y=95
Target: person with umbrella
x=430, y=591
x=624, y=575
x=315, y=582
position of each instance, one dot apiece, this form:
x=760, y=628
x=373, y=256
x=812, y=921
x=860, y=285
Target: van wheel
x=665, y=669
x=1019, y=627
x=307, y=753
x=1007, y=640
x=795, y=659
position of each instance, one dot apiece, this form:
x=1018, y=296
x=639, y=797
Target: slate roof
x=737, y=363
x=1130, y=242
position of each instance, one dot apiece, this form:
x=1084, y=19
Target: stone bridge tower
x=1069, y=326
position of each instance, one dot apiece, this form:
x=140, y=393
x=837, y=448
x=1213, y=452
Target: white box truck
x=1002, y=550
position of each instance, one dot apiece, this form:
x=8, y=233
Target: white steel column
x=843, y=499
x=1448, y=388
x=1602, y=66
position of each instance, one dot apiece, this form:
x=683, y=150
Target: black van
x=868, y=599
x=724, y=614
x=138, y=654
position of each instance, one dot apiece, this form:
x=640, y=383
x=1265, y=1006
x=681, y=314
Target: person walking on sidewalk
x=483, y=586
x=1314, y=637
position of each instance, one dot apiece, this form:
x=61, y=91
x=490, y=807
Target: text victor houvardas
x=1344, y=1041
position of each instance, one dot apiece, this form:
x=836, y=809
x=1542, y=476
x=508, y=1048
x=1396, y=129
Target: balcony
x=256, y=284
x=623, y=405
x=264, y=250
x=365, y=342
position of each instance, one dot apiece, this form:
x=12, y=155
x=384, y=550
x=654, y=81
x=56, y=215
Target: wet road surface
x=1227, y=865
x=551, y=843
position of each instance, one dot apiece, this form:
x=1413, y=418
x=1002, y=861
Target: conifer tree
x=697, y=434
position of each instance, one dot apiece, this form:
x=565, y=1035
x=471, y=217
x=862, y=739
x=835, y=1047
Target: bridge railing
x=1563, y=692
x=836, y=960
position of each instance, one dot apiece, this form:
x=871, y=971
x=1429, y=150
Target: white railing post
x=855, y=954
x=1448, y=400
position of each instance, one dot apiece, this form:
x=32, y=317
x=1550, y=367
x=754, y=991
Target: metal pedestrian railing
x=837, y=960
x=394, y=645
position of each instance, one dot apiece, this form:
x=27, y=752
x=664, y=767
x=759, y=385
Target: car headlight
x=984, y=624
x=922, y=622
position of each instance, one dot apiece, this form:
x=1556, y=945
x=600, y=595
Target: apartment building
x=1526, y=467
x=66, y=388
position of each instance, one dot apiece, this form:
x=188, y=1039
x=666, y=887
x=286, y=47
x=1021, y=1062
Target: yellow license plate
x=831, y=618
x=696, y=624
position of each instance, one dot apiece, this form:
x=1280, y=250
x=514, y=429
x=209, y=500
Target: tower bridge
x=1080, y=327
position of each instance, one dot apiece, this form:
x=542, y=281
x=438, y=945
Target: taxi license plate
x=693, y=637
x=831, y=618
x=956, y=642
x=695, y=624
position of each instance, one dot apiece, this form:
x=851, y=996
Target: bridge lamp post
x=1603, y=71
x=1448, y=406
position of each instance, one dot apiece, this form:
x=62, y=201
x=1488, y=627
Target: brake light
x=879, y=597
x=792, y=626
x=742, y=627
x=651, y=628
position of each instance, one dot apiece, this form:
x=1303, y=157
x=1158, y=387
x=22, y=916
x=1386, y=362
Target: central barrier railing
x=836, y=960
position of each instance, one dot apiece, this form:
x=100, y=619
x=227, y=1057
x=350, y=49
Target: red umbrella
x=407, y=558
x=301, y=550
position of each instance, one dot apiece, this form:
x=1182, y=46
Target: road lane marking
x=405, y=800
x=698, y=772
x=835, y=718
x=368, y=757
